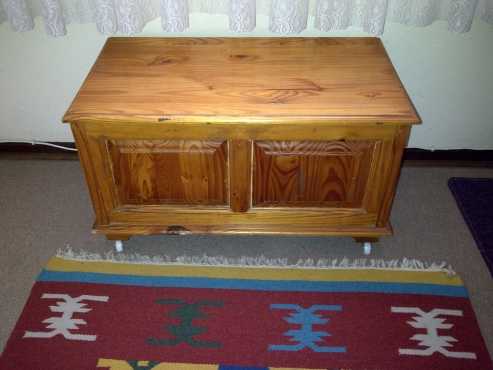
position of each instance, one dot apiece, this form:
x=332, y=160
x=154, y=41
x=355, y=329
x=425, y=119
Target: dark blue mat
x=475, y=200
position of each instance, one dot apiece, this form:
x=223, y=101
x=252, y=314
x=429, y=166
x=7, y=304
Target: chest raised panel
x=170, y=171
x=311, y=173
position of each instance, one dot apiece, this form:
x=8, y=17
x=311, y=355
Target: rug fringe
x=259, y=261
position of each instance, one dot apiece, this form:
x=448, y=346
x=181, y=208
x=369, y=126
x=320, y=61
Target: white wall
x=448, y=76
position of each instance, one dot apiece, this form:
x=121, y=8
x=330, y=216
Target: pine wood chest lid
x=243, y=79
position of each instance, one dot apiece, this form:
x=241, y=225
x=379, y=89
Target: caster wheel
x=119, y=246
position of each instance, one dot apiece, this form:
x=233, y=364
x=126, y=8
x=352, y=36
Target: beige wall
x=448, y=76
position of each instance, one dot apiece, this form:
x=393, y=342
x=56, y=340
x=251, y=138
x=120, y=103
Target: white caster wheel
x=119, y=246
x=367, y=248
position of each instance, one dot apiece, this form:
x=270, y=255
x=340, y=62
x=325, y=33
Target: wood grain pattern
x=91, y=158
x=167, y=79
x=173, y=216
x=342, y=130
x=395, y=164
x=242, y=136
x=311, y=173
x=163, y=217
x=170, y=171
x=240, y=175
x=272, y=229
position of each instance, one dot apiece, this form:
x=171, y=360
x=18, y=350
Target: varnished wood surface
x=149, y=178
x=311, y=173
x=395, y=165
x=242, y=136
x=243, y=80
x=167, y=216
x=170, y=171
x=130, y=229
x=126, y=129
x=240, y=175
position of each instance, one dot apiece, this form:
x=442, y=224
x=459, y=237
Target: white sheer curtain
x=285, y=16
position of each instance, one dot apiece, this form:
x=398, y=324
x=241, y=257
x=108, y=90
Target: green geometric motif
x=185, y=331
x=142, y=365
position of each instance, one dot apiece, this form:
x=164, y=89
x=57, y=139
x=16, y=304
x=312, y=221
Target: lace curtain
x=285, y=16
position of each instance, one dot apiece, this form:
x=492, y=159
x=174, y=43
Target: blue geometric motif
x=305, y=336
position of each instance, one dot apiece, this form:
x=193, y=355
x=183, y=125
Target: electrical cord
x=36, y=142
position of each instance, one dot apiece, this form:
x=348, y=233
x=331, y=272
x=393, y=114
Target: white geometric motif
x=431, y=340
x=61, y=325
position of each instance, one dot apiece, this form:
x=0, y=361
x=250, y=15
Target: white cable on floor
x=36, y=142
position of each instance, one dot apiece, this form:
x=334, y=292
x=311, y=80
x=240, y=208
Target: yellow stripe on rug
x=256, y=273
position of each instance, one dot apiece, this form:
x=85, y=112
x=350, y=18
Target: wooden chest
x=242, y=136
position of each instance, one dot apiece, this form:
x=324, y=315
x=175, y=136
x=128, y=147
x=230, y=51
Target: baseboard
x=29, y=151
x=14, y=147
x=448, y=157
x=412, y=156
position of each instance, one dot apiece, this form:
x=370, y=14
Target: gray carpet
x=44, y=206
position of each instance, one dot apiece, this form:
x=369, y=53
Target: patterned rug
x=475, y=200
x=128, y=316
